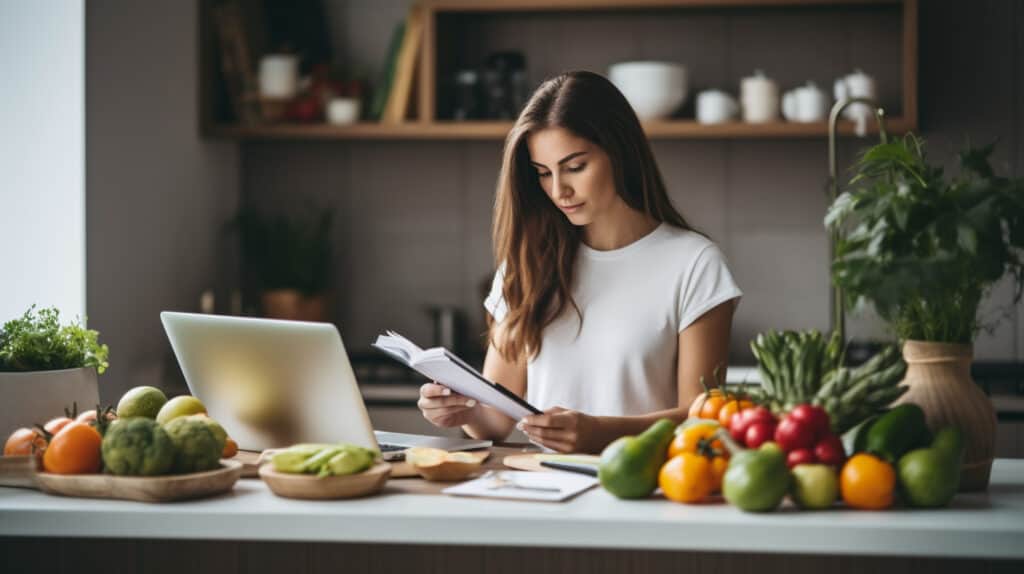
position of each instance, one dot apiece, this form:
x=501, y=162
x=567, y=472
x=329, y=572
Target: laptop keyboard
x=391, y=447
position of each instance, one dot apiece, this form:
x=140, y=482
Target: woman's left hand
x=563, y=430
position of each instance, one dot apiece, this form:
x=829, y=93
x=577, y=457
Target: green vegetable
x=197, y=446
x=757, y=479
x=897, y=431
x=324, y=459
x=137, y=446
x=629, y=465
x=38, y=342
x=924, y=249
x=929, y=477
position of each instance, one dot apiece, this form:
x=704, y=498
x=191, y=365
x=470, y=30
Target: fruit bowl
x=143, y=488
x=311, y=487
x=655, y=90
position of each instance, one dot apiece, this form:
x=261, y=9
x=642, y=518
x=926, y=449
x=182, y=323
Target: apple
x=180, y=406
x=814, y=486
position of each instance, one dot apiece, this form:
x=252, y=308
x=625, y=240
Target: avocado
x=897, y=432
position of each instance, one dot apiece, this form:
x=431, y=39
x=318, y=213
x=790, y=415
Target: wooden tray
x=312, y=487
x=143, y=488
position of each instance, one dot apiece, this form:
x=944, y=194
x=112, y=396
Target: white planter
x=36, y=397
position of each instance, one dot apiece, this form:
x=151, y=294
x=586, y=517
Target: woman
x=607, y=308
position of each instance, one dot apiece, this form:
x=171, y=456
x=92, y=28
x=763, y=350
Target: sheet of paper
x=520, y=485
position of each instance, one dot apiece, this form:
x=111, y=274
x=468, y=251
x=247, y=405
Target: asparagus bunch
x=804, y=367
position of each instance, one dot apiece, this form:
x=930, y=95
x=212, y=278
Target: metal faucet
x=836, y=300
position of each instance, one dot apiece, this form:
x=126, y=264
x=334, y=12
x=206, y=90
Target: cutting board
x=532, y=461
x=402, y=469
x=143, y=488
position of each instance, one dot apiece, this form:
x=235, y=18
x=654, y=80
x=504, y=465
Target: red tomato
x=54, y=426
x=816, y=419
x=759, y=433
x=24, y=442
x=74, y=450
x=829, y=450
x=793, y=434
x=800, y=456
x=743, y=420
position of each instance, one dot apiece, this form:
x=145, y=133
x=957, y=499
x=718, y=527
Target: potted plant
x=45, y=366
x=289, y=258
x=925, y=250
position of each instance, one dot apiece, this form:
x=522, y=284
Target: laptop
x=273, y=383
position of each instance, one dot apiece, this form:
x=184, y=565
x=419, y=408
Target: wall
x=415, y=217
x=42, y=158
x=157, y=195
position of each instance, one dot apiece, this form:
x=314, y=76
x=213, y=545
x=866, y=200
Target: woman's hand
x=563, y=430
x=444, y=408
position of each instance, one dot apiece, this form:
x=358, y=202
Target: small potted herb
x=45, y=366
x=289, y=258
x=925, y=250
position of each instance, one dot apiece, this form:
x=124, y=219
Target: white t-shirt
x=635, y=301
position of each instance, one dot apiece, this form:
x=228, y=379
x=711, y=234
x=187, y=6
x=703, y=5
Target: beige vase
x=293, y=305
x=939, y=381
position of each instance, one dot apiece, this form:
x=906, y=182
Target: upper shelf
x=675, y=129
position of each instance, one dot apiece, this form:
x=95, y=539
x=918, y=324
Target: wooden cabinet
x=719, y=40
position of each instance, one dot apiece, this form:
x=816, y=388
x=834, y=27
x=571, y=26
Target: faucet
x=836, y=300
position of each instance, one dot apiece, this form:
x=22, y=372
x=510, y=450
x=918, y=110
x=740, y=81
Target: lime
x=141, y=402
x=178, y=407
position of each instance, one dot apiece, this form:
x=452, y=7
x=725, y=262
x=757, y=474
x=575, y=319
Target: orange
x=867, y=482
x=688, y=477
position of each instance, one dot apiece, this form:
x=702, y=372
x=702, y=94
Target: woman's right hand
x=443, y=407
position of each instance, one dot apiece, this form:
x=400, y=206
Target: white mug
x=715, y=107
x=856, y=85
x=805, y=103
x=343, y=111
x=759, y=97
x=279, y=76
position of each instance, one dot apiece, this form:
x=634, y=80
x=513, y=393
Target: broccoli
x=137, y=446
x=198, y=446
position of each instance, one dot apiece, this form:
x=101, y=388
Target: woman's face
x=575, y=174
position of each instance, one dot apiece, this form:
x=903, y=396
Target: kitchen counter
x=986, y=525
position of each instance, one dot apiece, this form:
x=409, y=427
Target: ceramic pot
x=939, y=381
x=291, y=304
x=38, y=396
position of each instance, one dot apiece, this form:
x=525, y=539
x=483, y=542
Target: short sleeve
x=708, y=285
x=495, y=301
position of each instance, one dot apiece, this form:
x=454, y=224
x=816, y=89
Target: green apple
x=814, y=486
x=180, y=406
x=141, y=402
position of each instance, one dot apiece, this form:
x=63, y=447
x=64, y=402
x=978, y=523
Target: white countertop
x=985, y=525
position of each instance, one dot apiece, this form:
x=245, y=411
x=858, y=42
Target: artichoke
x=197, y=445
x=137, y=446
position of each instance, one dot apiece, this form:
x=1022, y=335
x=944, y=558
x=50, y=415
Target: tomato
x=731, y=408
x=230, y=448
x=829, y=450
x=74, y=450
x=758, y=434
x=54, y=426
x=688, y=477
x=747, y=417
x=697, y=438
x=800, y=456
x=712, y=405
x=815, y=419
x=867, y=482
x=24, y=442
x=792, y=434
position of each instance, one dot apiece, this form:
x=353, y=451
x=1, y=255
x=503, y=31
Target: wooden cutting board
x=143, y=488
x=532, y=461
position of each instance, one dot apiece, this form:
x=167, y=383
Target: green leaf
x=967, y=238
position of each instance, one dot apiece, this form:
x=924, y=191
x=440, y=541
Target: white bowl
x=654, y=89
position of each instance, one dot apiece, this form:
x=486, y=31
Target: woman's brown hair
x=534, y=243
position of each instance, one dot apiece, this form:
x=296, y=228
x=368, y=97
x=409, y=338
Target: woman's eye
x=544, y=174
x=577, y=168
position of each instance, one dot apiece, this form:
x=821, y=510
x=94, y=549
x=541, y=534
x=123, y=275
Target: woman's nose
x=560, y=187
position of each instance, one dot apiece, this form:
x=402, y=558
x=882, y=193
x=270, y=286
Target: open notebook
x=443, y=366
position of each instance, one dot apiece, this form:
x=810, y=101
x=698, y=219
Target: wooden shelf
x=672, y=129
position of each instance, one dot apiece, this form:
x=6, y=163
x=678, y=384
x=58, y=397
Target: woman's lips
x=571, y=208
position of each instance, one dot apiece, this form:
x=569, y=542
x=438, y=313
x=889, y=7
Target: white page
x=568, y=485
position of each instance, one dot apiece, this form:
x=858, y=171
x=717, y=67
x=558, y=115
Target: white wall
x=42, y=157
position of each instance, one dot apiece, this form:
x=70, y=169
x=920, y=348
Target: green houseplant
x=289, y=258
x=46, y=365
x=925, y=249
